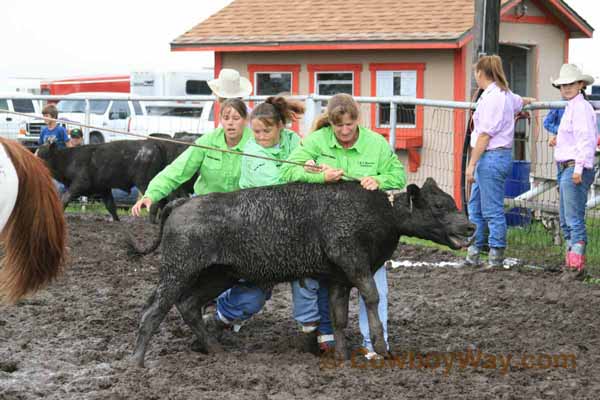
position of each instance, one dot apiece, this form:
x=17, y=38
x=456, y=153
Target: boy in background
x=76, y=138
x=52, y=129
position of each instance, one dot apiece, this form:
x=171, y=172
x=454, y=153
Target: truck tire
x=96, y=138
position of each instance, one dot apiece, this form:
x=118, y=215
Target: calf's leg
x=338, y=309
x=368, y=290
x=158, y=305
x=190, y=305
x=109, y=203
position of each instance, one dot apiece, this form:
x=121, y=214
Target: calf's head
x=430, y=213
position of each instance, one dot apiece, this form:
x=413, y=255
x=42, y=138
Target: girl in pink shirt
x=575, y=147
x=491, y=160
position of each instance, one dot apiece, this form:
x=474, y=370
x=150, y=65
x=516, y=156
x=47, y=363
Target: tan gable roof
x=264, y=22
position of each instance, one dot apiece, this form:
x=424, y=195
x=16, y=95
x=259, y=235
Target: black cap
x=76, y=133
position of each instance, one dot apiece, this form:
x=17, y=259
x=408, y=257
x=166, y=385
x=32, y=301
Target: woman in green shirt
x=219, y=172
x=273, y=140
x=340, y=146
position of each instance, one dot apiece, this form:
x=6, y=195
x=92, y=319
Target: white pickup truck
x=122, y=112
x=25, y=130
x=175, y=119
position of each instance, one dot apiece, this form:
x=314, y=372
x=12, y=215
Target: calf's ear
x=414, y=194
x=430, y=182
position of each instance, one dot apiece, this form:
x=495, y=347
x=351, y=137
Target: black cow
x=283, y=233
x=94, y=170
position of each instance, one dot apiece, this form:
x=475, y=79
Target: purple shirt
x=577, y=134
x=495, y=116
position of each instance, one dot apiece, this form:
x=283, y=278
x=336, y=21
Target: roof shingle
x=284, y=21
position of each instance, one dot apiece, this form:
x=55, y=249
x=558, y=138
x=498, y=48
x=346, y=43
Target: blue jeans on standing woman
x=486, y=205
x=572, y=203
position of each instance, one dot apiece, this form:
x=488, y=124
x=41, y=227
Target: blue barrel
x=516, y=184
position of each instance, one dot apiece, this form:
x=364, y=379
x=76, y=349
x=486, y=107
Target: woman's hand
x=470, y=174
x=576, y=178
x=332, y=174
x=311, y=166
x=528, y=100
x=137, y=207
x=552, y=141
x=369, y=183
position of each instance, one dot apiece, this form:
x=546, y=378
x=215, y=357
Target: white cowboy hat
x=230, y=84
x=570, y=73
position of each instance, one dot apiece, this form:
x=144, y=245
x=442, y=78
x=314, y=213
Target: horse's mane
x=34, y=237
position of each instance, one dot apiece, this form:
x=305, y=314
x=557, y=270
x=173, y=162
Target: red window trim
x=356, y=69
x=405, y=137
x=293, y=68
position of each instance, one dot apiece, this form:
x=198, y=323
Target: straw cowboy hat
x=230, y=84
x=570, y=73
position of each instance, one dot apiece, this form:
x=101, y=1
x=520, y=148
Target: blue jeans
x=382, y=309
x=307, y=306
x=311, y=304
x=60, y=188
x=572, y=204
x=241, y=302
x=486, y=205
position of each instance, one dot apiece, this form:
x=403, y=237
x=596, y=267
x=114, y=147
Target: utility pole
x=486, y=31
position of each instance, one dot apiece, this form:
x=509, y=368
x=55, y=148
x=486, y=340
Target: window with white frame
x=331, y=83
x=396, y=83
x=272, y=83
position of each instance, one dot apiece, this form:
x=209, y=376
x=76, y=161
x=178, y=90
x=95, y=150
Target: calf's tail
x=132, y=244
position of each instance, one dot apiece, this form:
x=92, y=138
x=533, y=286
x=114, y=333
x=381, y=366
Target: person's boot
x=473, y=258
x=495, y=259
x=575, y=263
x=308, y=338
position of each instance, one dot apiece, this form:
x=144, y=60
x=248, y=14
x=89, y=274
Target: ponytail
x=277, y=110
x=491, y=66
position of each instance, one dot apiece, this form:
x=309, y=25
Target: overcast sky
x=66, y=38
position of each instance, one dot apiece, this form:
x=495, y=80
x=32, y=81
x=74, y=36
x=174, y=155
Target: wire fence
x=429, y=137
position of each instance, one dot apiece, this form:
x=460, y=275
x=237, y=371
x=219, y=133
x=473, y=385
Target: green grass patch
x=94, y=207
x=534, y=243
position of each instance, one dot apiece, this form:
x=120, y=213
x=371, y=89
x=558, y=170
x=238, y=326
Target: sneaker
x=326, y=342
x=369, y=355
x=215, y=325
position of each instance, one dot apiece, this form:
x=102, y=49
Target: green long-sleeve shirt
x=369, y=156
x=257, y=172
x=219, y=172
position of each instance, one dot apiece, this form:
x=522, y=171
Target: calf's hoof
x=137, y=361
x=200, y=346
x=380, y=347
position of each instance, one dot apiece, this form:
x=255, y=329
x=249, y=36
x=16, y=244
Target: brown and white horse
x=32, y=225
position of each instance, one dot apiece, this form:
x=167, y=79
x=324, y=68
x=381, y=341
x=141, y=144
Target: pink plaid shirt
x=495, y=116
x=577, y=134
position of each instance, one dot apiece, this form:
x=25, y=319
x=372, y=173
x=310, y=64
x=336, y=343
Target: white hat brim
x=244, y=90
x=588, y=79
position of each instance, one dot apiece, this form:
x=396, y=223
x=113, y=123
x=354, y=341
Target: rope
x=162, y=139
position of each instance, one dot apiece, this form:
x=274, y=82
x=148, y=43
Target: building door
x=515, y=63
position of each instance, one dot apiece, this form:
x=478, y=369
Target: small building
x=419, y=48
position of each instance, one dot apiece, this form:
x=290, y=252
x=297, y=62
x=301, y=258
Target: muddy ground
x=456, y=333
